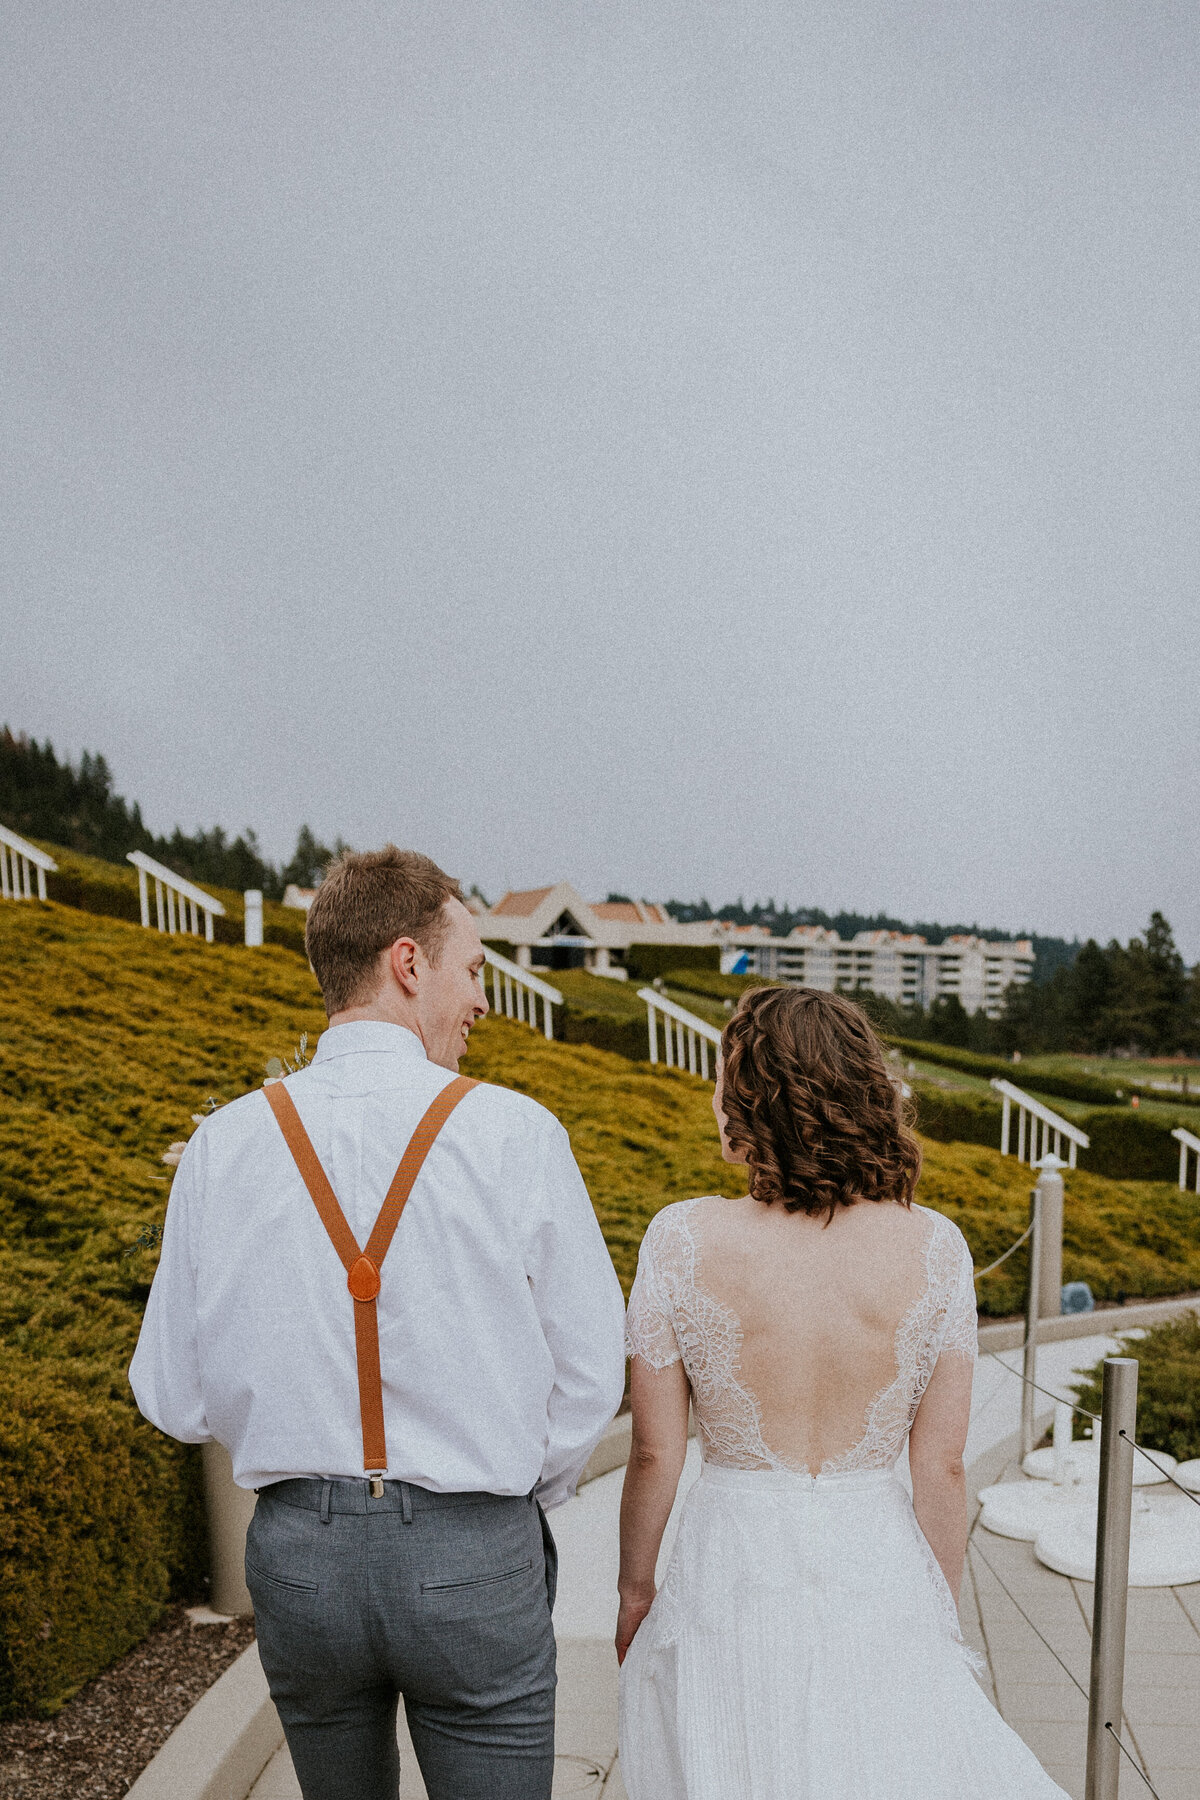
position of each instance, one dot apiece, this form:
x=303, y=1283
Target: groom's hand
x=633, y=1610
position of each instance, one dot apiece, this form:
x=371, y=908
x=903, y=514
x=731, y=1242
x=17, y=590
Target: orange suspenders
x=362, y=1266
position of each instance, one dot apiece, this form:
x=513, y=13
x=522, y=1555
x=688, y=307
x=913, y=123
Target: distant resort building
x=899, y=966
x=556, y=928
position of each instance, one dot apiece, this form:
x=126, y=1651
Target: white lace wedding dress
x=804, y=1644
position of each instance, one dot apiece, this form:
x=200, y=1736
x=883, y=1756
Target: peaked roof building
x=555, y=927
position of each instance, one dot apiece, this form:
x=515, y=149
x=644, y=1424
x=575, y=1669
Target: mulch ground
x=98, y=1745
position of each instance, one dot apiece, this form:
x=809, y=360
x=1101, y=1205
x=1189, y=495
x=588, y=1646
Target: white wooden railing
x=17, y=857
x=516, y=992
x=177, y=903
x=1036, y=1121
x=685, y=1037
x=1187, y=1142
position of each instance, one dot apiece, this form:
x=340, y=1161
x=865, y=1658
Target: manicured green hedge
x=1124, y=1147
x=604, y=1031
x=645, y=962
x=1168, y=1411
x=955, y=1118
x=1060, y=1087
x=1129, y=1148
x=101, y=1524
x=712, y=983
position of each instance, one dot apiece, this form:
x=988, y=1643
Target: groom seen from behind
x=404, y=1435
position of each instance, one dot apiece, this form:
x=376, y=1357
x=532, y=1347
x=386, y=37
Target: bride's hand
x=632, y=1611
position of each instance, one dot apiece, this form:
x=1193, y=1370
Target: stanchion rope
x=1096, y=1420
x=980, y=1273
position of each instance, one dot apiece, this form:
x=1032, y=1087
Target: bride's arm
x=935, y=1460
x=660, y=1423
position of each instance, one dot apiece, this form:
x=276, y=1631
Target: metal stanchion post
x=1032, y=1299
x=1106, y=1693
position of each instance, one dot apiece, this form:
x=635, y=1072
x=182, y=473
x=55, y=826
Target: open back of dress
x=807, y=1347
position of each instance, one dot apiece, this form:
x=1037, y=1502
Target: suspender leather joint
x=363, y=1281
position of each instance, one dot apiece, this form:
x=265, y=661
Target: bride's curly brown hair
x=807, y=1096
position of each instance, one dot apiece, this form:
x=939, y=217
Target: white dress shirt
x=500, y=1315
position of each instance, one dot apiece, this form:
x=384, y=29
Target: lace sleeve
x=650, y=1321
x=960, y=1328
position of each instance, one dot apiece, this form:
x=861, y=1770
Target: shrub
x=1168, y=1413
x=1124, y=1147
x=645, y=962
x=1129, y=1148
x=1124, y=1238
x=604, y=1031
x=955, y=1117
x=101, y=1524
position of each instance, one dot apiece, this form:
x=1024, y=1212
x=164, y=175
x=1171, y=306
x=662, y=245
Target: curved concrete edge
x=223, y=1745
x=1106, y=1321
x=612, y=1452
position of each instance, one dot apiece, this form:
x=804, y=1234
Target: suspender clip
x=376, y=1487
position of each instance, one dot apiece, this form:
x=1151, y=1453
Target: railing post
x=652, y=1025
x=254, y=918
x=1050, y=1186
x=1032, y=1296
x=1005, y=1123
x=144, y=897
x=1118, y=1411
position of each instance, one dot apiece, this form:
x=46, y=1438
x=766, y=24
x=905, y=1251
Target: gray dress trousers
x=442, y=1600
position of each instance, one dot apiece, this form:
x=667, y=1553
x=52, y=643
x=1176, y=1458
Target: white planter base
x=1022, y=1509
x=1164, y=1543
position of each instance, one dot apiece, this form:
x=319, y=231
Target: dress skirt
x=804, y=1645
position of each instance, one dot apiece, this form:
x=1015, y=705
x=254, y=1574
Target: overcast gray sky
x=727, y=448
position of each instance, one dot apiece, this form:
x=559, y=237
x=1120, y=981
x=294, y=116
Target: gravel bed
x=98, y=1745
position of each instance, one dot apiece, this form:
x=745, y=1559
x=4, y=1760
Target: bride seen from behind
x=805, y=1642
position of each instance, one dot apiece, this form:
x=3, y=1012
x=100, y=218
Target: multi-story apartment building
x=901, y=967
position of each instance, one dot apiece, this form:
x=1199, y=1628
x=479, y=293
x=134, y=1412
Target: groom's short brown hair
x=363, y=905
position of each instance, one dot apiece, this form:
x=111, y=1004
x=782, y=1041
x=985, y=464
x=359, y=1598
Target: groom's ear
x=402, y=962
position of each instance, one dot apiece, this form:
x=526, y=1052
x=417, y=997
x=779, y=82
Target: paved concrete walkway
x=1037, y=1695
x=1033, y=1692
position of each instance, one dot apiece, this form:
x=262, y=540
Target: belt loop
x=406, y=1503
x=326, y=1501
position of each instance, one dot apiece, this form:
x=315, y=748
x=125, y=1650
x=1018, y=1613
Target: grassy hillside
x=111, y=1038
